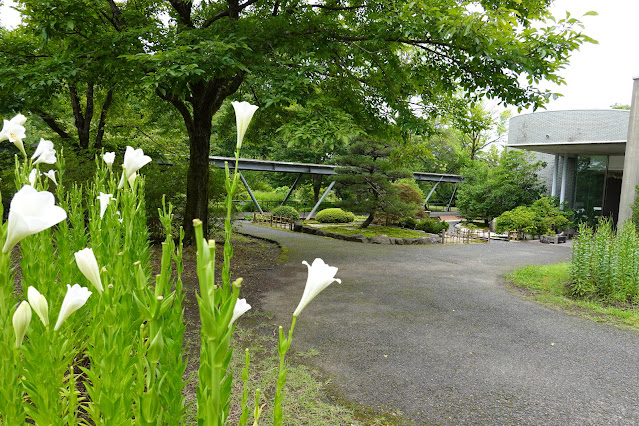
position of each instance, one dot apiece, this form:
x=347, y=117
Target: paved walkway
x=431, y=332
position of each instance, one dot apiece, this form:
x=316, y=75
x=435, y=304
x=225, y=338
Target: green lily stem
x=228, y=249
x=282, y=349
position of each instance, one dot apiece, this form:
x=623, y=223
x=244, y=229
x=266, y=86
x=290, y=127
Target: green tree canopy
x=366, y=179
x=389, y=62
x=490, y=191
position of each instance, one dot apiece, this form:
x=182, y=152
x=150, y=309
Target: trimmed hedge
x=286, y=211
x=432, y=226
x=334, y=215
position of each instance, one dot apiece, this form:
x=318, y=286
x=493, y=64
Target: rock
x=380, y=240
x=397, y=241
x=297, y=226
x=358, y=238
x=322, y=233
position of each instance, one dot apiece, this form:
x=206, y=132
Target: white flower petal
x=243, y=114
x=240, y=308
x=75, y=298
x=320, y=276
x=31, y=212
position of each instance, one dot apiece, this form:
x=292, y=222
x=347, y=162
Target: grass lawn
x=374, y=231
x=548, y=285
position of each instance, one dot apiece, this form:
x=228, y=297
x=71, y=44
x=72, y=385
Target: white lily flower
x=29, y=213
x=240, y=308
x=134, y=160
x=105, y=199
x=32, y=177
x=243, y=114
x=39, y=304
x=88, y=265
x=109, y=158
x=320, y=276
x=14, y=131
x=75, y=298
x=21, y=319
x=51, y=175
x=44, y=153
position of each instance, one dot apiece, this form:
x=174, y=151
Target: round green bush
x=431, y=225
x=334, y=215
x=286, y=211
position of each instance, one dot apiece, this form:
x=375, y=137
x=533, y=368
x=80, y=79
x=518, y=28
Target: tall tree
x=366, y=177
x=490, y=191
x=388, y=59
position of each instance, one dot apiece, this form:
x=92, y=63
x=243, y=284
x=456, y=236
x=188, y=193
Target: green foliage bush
x=604, y=263
x=334, y=215
x=541, y=218
x=286, y=211
x=431, y=225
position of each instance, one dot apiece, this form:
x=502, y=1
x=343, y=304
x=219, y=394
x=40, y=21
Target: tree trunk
x=317, y=187
x=82, y=120
x=368, y=220
x=197, y=179
x=206, y=100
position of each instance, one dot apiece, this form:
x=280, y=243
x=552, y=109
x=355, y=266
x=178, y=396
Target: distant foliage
x=605, y=263
x=543, y=217
x=286, y=211
x=334, y=215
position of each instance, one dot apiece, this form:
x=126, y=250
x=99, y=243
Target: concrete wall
x=569, y=126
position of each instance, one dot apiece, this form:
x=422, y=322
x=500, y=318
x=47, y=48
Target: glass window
x=589, y=187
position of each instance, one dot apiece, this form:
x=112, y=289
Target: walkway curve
x=431, y=332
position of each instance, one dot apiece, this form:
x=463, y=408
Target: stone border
x=359, y=238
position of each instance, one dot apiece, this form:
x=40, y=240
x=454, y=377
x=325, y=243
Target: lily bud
x=39, y=304
x=21, y=320
x=88, y=265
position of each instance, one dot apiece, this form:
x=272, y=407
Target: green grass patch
x=374, y=231
x=549, y=286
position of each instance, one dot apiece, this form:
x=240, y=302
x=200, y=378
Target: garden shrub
x=286, y=211
x=334, y=215
x=541, y=218
x=604, y=263
x=431, y=225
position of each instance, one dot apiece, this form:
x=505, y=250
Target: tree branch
x=183, y=8
x=226, y=12
x=180, y=106
x=52, y=123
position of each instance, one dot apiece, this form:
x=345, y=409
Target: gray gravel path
x=431, y=332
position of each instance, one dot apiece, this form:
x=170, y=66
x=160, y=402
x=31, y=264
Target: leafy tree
x=476, y=124
x=366, y=179
x=490, y=191
x=379, y=56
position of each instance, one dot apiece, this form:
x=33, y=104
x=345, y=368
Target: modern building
x=583, y=151
x=591, y=156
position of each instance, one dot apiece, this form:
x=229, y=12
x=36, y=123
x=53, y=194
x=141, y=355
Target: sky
x=599, y=75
